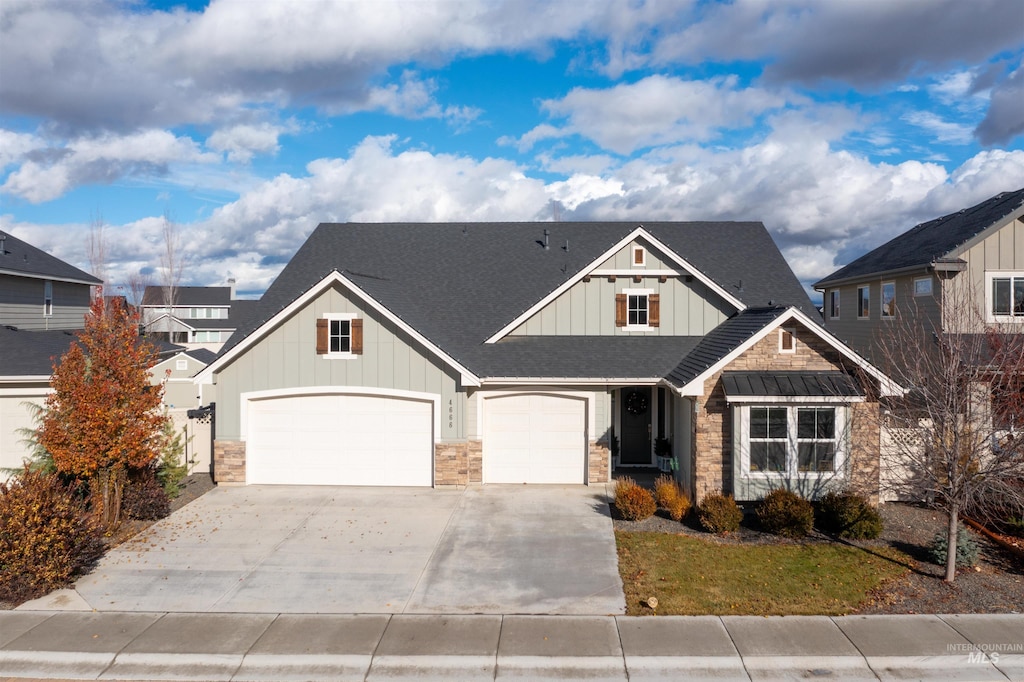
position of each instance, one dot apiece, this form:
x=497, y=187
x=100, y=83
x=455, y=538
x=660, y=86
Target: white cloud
x=942, y=130
x=242, y=142
x=15, y=146
x=48, y=173
x=657, y=110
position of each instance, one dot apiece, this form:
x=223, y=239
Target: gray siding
x=623, y=259
x=1002, y=250
x=286, y=358
x=21, y=304
x=179, y=391
x=588, y=308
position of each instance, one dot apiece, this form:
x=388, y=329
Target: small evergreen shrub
x=145, y=497
x=783, y=512
x=671, y=497
x=849, y=516
x=172, y=468
x=634, y=502
x=718, y=513
x=966, y=547
x=47, y=535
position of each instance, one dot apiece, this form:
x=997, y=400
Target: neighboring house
x=451, y=354
x=201, y=317
x=959, y=274
x=181, y=396
x=39, y=291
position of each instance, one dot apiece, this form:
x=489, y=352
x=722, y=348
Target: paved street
x=145, y=646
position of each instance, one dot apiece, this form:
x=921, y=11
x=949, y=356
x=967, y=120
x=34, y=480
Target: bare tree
x=98, y=247
x=950, y=444
x=172, y=262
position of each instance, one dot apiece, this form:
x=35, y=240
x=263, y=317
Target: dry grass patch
x=692, y=576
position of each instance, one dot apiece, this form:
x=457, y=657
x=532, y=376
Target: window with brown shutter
x=357, y=337
x=322, y=336
x=620, y=310
x=654, y=310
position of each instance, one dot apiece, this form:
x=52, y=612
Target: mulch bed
x=996, y=585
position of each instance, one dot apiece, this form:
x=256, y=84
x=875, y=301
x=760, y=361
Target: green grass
x=691, y=576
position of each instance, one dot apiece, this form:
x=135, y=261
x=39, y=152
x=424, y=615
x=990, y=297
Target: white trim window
x=888, y=300
x=639, y=257
x=863, y=302
x=47, y=298
x=339, y=336
x=792, y=440
x=923, y=286
x=636, y=310
x=1005, y=293
x=787, y=340
x=833, y=304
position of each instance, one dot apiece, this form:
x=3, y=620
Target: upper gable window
x=339, y=336
x=923, y=286
x=888, y=300
x=47, y=299
x=787, y=340
x=1005, y=296
x=863, y=302
x=639, y=257
x=181, y=365
x=833, y=304
x=637, y=309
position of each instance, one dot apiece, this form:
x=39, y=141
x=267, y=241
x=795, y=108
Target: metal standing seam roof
x=459, y=283
x=21, y=258
x=934, y=240
x=790, y=384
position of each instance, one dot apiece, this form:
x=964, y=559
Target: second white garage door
x=534, y=439
x=340, y=440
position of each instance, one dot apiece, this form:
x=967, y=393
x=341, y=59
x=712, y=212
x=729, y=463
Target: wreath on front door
x=636, y=403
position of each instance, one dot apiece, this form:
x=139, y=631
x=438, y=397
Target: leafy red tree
x=103, y=416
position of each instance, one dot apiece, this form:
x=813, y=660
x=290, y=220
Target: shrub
x=145, y=497
x=783, y=512
x=47, y=535
x=966, y=548
x=671, y=498
x=633, y=502
x=172, y=468
x=849, y=516
x=718, y=513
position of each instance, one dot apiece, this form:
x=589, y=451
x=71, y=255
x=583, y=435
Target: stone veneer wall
x=598, y=463
x=712, y=457
x=458, y=463
x=229, y=461
x=865, y=449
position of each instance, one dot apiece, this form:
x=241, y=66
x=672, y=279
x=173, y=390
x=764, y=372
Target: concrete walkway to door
x=292, y=549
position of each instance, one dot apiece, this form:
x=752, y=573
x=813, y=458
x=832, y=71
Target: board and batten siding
x=1001, y=250
x=286, y=358
x=588, y=308
x=21, y=304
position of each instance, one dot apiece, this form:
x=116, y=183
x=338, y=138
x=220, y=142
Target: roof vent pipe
x=547, y=233
x=567, y=246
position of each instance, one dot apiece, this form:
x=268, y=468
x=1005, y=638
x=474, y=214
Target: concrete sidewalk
x=217, y=646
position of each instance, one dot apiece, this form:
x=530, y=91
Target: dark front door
x=635, y=424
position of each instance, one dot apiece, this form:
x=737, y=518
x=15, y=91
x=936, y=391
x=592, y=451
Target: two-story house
x=450, y=354
x=199, y=317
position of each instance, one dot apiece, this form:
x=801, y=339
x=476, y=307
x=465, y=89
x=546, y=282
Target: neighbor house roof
x=188, y=296
x=459, y=283
x=32, y=353
x=933, y=241
x=21, y=258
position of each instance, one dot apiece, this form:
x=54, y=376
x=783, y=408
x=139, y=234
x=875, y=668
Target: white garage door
x=534, y=439
x=340, y=440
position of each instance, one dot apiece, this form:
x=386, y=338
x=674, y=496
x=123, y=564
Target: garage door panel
x=534, y=439
x=340, y=440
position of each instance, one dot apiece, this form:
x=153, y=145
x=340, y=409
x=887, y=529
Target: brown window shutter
x=654, y=310
x=357, y=337
x=322, y=330
x=620, y=310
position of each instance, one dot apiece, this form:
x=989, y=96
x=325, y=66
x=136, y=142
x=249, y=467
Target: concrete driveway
x=291, y=549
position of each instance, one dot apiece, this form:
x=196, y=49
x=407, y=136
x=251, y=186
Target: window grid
x=769, y=439
x=340, y=336
x=636, y=310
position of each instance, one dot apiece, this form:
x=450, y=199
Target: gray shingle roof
x=459, y=283
x=21, y=258
x=789, y=384
x=188, y=296
x=203, y=355
x=32, y=353
x=933, y=240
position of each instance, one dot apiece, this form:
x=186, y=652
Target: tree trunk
x=951, y=540
x=107, y=488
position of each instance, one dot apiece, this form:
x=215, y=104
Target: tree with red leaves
x=103, y=417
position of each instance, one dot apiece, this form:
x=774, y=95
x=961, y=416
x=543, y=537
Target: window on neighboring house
x=792, y=439
x=923, y=286
x=47, y=298
x=199, y=313
x=206, y=337
x=833, y=304
x=787, y=340
x=181, y=365
x=888, y=300
x=1006, y=297
x=339, y=335
x=637, y=309
x=863, y=302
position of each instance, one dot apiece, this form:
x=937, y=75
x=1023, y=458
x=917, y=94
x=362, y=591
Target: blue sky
x=838, y=123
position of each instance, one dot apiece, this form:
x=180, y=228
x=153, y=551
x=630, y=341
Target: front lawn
x=692, y=576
